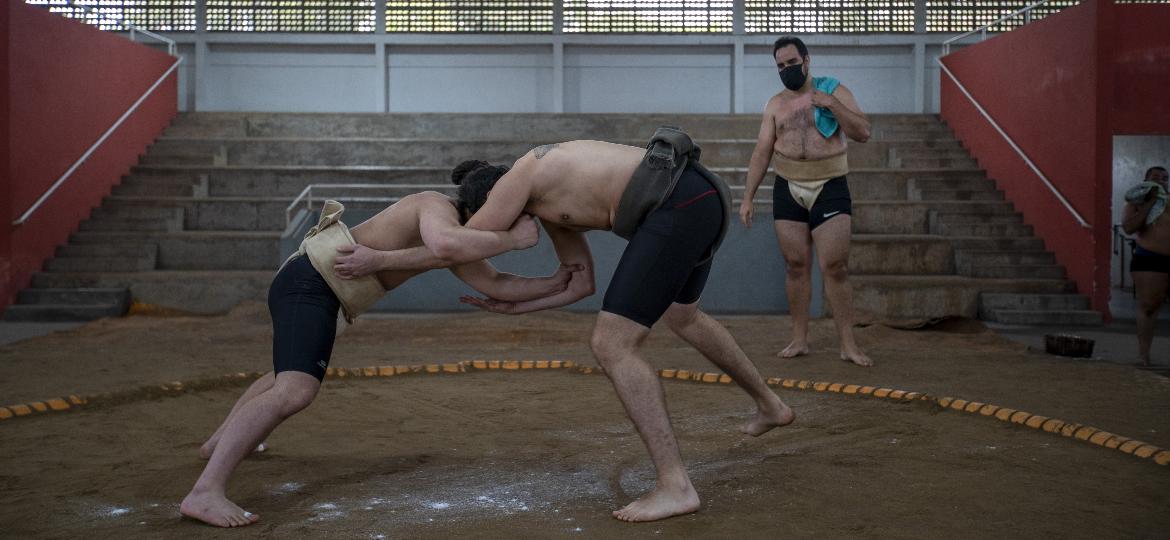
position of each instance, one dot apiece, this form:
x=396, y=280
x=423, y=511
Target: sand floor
x=543, y=453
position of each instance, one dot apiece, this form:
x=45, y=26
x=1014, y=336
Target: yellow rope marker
x=820, y=386
x=1069, y=428
x=866, y=390
x=38, y=406
x=988, y=409
x=20, y=409
x=836, y=387
x=1053, y=425
x=1085, y=432
x=386, y=371
x=356, y=372
x=850, y=389
x=1004, y=414
x=1162, y=458
x=911, y=396
x=417, y=368
x=725, y=379
x=479, y=364
x=493, y=364
x=527, y=364
x=5, y=414
x=1146, y=451
x=882, y=392
x=1100, y=437
x=803, y=385
x=542, y=364
x=1115, y=441
x=710, y=377
x=369, y=372
x=958, y=404
x=897, y=394
x=682, y=374
x=570, y=363
x=453, y=368
x=58, y=404
x=1036, y=421
x=76, y=400
x=945, y=402
x=667, y=373
x=974, y=406
x=432, y=368
x=788, y=383
x=1019, y=417
x=1129, y=446
x=557, y=364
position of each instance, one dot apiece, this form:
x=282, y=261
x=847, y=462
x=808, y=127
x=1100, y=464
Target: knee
x=295, y=398
x=680, y=316
x=796, y=268
x=610, y=345
x=836, y=270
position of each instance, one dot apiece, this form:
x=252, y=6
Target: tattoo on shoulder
x=540, y=151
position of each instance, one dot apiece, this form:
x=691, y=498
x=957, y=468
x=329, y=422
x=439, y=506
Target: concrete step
x=478, y=126
x=198, y=250
x=1047, y=318
x=974, y=182
x=204, y=292
x=984, y=229
x=131, y=224
x=957, y=195
x=136, y=212
x=959, y=218
x=100, y=264
x=939, y=296
x=911, y=217
x=74, y=296
x=61, y=313
x=965, y=259
x=445, y=152
x=1015, y=271
x=1033, y=302
x=942, y=162
x=900, y=254
x=983, y=243
x=127, y=250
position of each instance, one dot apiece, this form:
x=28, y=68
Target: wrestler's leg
x=261, y=385
x=832, y=242
x=796, y=247
x=291, y=392
x=615, y=345
x=1151, y=293
x=709, y=337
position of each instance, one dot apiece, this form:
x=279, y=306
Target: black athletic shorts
x=1145, y=260
x=304, y=319
x=834, y=199
x=658, y=266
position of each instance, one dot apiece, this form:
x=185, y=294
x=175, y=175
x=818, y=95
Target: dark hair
x=1154, y=168
x=475, y=179
x=790, y=40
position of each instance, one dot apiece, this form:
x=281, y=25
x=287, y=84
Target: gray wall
x=747, y=276
x=889, y=73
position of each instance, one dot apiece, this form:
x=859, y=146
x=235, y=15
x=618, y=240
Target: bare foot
x=208, y=448
x=660, y=504
x=794, y=349
x=767, y=419
x=215, y=510
x=857, y=357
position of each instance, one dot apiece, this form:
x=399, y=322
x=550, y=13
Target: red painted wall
x=67, y=83
x=1142, y=70
x=1040, y=84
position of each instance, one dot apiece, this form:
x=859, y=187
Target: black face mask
x=793, y=77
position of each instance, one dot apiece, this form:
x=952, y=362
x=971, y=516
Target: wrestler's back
x=796, y=133
x=1156, y=236
x=578, y=184
x=396, y=227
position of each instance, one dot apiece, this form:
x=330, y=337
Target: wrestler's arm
x=445, y=243
x=761, y=157
x=844, y=106
x=484, y=277
x=1134, y=219
x=572, y=250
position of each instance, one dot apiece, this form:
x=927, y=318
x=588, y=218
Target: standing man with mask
x=803, y=135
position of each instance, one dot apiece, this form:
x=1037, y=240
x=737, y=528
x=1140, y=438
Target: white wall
x=892, y=73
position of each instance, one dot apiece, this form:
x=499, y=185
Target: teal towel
x=826, y=122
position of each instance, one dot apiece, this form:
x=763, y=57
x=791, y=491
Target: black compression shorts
x=304, y=319
x=1145, y=260
x=834, y=199
x=658, y=266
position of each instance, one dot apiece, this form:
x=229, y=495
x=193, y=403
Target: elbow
x=447, y=248
x=862, y=134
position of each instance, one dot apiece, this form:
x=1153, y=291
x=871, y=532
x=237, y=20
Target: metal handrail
x=134, y=29
x=1016, y=147
x=982, y=30
x=118, y=123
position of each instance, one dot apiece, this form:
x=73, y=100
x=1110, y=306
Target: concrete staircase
x=196, y=225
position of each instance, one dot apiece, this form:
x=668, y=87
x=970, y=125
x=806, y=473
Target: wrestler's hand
x=821, y=99
x=525, y=232
x=746, y=211
x=355, y=261
x=489, y=304
x=562, y=276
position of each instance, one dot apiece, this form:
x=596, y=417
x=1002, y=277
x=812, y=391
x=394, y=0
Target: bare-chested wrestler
x=803, y=135
x=1150, y=265
x=304, y=300
x=584, y=185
